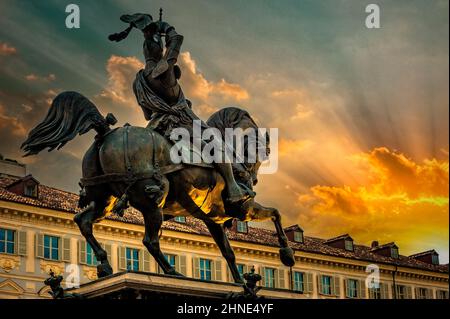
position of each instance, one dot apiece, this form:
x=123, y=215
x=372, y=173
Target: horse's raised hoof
x=287, y=256
x=104, y=270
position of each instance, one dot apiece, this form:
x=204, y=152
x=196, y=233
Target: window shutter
x=122, y=259
x=65, y=249
x=347, y=288
x=384, y=293
x=108, y=249
x=263, y=276
x=145, y=260
x=371, y=293
x=335, y=283
x=182, y=264
x=229, y=276
x=82, y=251
x=21, y=243
x=308, y=284
x=196, y=267
x=361, y=289
x=40, y=245
x=141, y=259
x=408, y=292
x=217, y=270
x=319, y=282
x=280, y=281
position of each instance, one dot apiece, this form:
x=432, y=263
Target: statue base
x=141, y=285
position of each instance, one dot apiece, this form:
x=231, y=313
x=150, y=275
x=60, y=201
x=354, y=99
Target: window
x=326, y=285
x=269, y=277
x=422, y=293
x=375, y=293
x=394, y=252
x=171, y=259
x=90, y=256
x=442, y=294
x=132, y=258
x=352, y=288
x=241, y=269
x=402, y=292
x=7, y=241
x=51, y=247
x=180, y=219
x=205, y=269
x=241, y=227
x=298, y=237
x=435, y=259
x=298, y=281
x=30, y=190
x=349, y=245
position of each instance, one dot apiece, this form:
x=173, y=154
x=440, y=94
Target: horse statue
x=133, y=166
x=136, y=161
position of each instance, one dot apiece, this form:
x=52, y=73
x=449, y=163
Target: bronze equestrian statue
x=132, y=165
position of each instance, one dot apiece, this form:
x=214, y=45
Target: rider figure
x=160, y=79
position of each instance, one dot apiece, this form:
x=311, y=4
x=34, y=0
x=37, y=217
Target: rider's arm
x=173, y=42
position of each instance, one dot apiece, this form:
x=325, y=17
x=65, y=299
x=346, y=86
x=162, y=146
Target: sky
x=362, y=113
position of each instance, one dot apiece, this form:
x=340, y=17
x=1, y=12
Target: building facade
x=38, y=235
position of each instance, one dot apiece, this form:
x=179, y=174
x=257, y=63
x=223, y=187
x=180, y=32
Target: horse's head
x=250, y=144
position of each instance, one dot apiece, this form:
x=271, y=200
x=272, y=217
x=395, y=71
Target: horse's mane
x=229, y=117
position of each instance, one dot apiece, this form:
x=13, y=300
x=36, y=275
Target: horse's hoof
x=287, y=256
x=103, y=270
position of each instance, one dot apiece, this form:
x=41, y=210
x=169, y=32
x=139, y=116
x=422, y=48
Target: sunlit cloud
x=208, y=95
x=121, y=73
x=6, y=49
x=10, y=125
x=402, y=200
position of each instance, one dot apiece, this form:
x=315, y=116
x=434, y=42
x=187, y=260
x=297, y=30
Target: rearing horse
x=132, y=164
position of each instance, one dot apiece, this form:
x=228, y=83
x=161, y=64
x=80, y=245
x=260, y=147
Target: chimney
x=374, y=244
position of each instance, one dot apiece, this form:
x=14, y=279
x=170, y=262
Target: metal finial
x=160, y=14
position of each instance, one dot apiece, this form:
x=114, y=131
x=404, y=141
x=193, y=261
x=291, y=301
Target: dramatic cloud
x=121, y=73
x=6, y=49
x=401, y=201
x=208, y=96
x=10, y=125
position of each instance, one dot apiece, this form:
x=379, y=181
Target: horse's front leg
x=257, y=212
x=221, y=239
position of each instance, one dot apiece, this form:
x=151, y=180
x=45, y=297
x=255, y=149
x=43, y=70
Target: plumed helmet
x=138, y=20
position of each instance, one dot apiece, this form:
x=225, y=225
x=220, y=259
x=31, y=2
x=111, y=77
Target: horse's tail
x=70, y=114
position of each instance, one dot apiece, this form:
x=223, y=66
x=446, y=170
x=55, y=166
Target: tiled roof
x=331, y=240
x=424, y=253
x=293, y=227
x=56, y=199
x=388, y=245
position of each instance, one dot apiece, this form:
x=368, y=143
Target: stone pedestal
x=140, y=285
